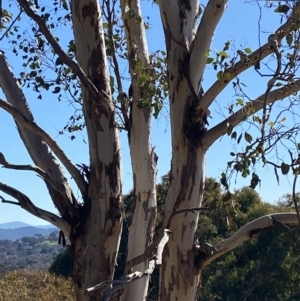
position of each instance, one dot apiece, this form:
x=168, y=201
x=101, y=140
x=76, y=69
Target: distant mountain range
x=17, y=230
x=14, y=225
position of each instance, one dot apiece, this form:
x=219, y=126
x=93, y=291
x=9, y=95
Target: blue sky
x=239, y=24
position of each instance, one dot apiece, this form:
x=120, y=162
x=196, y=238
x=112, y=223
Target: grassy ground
x=26, y=285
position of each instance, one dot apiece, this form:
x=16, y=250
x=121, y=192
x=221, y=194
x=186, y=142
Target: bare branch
x=60, y=52
x=126, y=280
x=148, y=253
x=210, y=19
x=220, y=129
x=25, y=203
x=34, y=128
x=257, y=55
x=193, y=210
x=247, y=231
x=36, y=169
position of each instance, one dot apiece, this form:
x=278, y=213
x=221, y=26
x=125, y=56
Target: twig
x=191, y=210
x=274, y=44
x=12, y=23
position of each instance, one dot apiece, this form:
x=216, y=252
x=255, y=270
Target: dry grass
x=26, y=285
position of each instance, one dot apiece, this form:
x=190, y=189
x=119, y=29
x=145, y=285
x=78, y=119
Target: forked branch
x=25, y=203
x=116, y=285
x=250, y=230
x=236, y=118
x=258, y=55
x=34, y=128
x=36, y=169
x=202, y=41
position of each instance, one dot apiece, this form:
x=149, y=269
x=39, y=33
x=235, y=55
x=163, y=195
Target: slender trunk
x=143, y=157
x=144, y=209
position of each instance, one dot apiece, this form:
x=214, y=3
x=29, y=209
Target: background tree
x=264, y=268
x=87, y=69
x=62, y=264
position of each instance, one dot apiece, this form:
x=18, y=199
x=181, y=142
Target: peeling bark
x=96, y=239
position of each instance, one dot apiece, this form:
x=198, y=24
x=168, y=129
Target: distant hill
x=13, y=225
x=13, y=234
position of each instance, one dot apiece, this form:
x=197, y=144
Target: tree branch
x=146, y=255
x=36, y=169
x=34, y=128
x=258, y=55
x=246, y=232
x=59, y=51
x=25, y=203
x=220, y=129
x=205, y=32
x=126, y=280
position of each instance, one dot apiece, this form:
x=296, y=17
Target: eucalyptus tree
x=87, y=67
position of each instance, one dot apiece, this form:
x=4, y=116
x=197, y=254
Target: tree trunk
x=95, y=240
x=179, y=276
x=142, y=154
x=94, y=254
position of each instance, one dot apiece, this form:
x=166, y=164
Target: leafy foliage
x=62, y=264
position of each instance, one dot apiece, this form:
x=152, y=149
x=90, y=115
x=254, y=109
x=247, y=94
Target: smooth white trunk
x=142, y=154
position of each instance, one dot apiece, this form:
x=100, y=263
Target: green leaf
x=245, y=173
x=248, y=137
x=220, y=75
x=284, y=168
x=298, y=146
x=257, y=119
x=227, y=75
x=224, y=54
x=56, y=90
x=33, y=74
x=282, y=9
x=226, y=47
x=232, y=154
x=240, y=101
x=289, y=39
x=233, y=135
x=283, y=119
x=248, y=50
x=209, y=60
